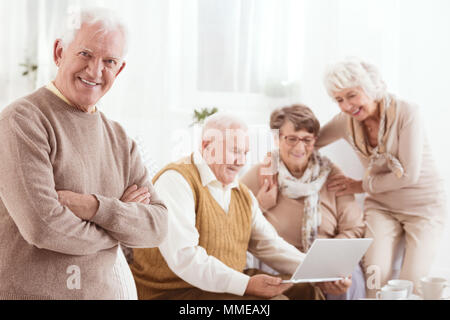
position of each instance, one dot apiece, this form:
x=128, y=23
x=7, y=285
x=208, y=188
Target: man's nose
x=95, y=69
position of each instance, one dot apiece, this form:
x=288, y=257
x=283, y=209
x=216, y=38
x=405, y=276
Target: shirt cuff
x=105, y=208
x=238, y=283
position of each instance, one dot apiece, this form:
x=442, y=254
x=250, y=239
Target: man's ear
x=208, y=152
x=121, y=68
x=57, y=51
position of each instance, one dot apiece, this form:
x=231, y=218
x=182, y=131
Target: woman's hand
x=267, y=195
x=337, y=287
x=343, y=185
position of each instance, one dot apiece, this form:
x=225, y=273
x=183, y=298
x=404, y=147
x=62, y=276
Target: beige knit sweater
x=420, y=191
x=47, y=145
x=341, y=216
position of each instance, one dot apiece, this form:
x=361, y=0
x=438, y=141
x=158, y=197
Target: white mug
x=408, y=285
x=392, y=293
x=432, y=288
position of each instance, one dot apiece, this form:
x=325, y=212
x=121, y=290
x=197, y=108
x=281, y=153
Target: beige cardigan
x=420, y=191
x=341, y=216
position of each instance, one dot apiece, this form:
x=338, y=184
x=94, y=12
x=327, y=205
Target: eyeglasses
x=292, y=141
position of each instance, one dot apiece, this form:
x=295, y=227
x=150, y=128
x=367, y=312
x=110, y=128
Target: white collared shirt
x=190, y=261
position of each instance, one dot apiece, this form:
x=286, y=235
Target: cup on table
x=389, y=292
x=408, y=285
x=432, y=288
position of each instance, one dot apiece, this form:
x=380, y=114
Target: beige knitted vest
x=223, y=235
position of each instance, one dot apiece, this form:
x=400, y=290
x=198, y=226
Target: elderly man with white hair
x=213, y=221
x=73, y=186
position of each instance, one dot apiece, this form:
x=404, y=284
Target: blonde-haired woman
x=404, y=191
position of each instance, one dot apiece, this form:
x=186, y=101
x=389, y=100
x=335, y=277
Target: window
x=234, y=54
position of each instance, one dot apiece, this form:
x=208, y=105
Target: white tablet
x=330, y=260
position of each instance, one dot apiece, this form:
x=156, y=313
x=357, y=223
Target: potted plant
x=200, y=115
x=30, y=71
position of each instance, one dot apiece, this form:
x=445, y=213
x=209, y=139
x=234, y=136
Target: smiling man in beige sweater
x=73, y=186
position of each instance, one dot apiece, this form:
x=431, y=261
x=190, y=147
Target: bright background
x=246, y=57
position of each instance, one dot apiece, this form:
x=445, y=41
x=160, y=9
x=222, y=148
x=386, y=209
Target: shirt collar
x=51, y=86
x=207, y=176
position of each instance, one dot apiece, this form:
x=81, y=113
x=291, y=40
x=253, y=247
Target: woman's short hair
x=300, y=115
x=108, y=19
x=354, y=72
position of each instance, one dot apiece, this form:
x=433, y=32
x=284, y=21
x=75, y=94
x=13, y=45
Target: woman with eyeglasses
x=404, y=191
x=291, y=190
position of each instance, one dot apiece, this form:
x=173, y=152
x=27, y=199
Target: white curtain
x=246, y=57
x=16, y=47
x=184, y=55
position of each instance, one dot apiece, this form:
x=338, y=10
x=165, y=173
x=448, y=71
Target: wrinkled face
x=88, y=66
x=356, y=103
x=295, y=147
x=226, y=152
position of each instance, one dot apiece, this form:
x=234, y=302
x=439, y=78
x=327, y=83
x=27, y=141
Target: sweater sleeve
x=28, y=192
x=411, y=142
x=332, y=131
x=349, y=215
x=136, y=225
x=350, y=220
x=266, y=245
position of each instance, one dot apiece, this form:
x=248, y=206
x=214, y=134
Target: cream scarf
x=307, y=187
x=355, y=130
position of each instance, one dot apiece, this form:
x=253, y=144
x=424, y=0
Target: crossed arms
x=29, y=194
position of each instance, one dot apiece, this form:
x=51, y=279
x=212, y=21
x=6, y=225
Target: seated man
x=213, y=220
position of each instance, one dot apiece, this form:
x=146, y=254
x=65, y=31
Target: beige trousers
x=422, y=236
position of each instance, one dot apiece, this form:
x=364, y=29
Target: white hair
x=107, y=18
x=354, y=72
x=222, y=130
x=223, y=121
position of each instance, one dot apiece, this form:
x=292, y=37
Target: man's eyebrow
x=108, y=57
x=114, y=58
